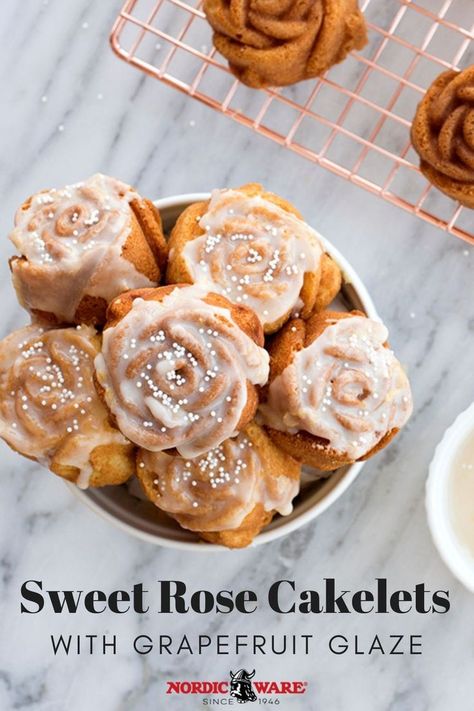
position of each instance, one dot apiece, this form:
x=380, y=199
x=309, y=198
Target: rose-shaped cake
x=443, y=134
x=50, y=410
x=280, y=42
x=228, y=494
x=179, y=366
x=252, y=247
x=83, y=245
x=337, y=394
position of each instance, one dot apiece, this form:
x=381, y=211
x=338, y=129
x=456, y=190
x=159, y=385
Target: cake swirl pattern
x=345, y=387
x=216, y=491
x=254, y=253
x=443, y=134
x=49, y=408
x=176, y=372
x=274, y=43
x=71, y=242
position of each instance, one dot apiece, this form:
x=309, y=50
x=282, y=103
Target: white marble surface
x=422, y=283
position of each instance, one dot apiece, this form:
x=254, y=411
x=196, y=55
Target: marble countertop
x=70, y=108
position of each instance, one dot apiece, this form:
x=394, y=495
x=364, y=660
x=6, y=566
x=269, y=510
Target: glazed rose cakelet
x=228, y=494
x=337, y=393
x=443, y=134
x=50, y=410
x=179, y=366
x=81, y=246
x=252, y=247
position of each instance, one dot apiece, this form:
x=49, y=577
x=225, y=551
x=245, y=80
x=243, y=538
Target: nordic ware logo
x=241, y=688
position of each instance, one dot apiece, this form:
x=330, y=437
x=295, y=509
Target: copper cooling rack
x=354, y=121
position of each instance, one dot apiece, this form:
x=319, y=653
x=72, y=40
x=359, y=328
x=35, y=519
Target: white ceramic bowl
x=451, y=550
x=142, y=519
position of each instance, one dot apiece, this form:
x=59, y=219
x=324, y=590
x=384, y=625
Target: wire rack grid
x=354, y=121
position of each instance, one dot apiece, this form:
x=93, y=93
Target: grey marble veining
x=70, y=108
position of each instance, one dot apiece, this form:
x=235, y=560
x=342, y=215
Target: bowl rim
x=436, y=499
x=313, y=511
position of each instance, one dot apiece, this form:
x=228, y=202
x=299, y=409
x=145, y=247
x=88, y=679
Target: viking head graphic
x=241, y=686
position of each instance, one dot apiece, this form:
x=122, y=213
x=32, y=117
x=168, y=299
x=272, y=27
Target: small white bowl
x=143, y=520
x=451, y=550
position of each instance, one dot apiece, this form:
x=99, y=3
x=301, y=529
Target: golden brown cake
x=82, y=245
x=179, y=366
x=228, y=494
x=280, y=42
x=336, y=392
x=442, y=133
x=50, y=411
x=253, y=247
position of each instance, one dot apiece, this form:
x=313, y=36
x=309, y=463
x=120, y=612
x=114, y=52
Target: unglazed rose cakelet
x=253, y=247
x=82, y=245
x=281, y=42
x=49, y=408
x=337, y=394
x=228, y=494
x=442, y=133
x=179, y=366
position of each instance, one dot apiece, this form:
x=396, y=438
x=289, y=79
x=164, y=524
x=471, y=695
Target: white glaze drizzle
x=175, y=372
x=49, y=407
x=345, y=387
x=216, y=491
x=72, y=239
x=254, y=253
